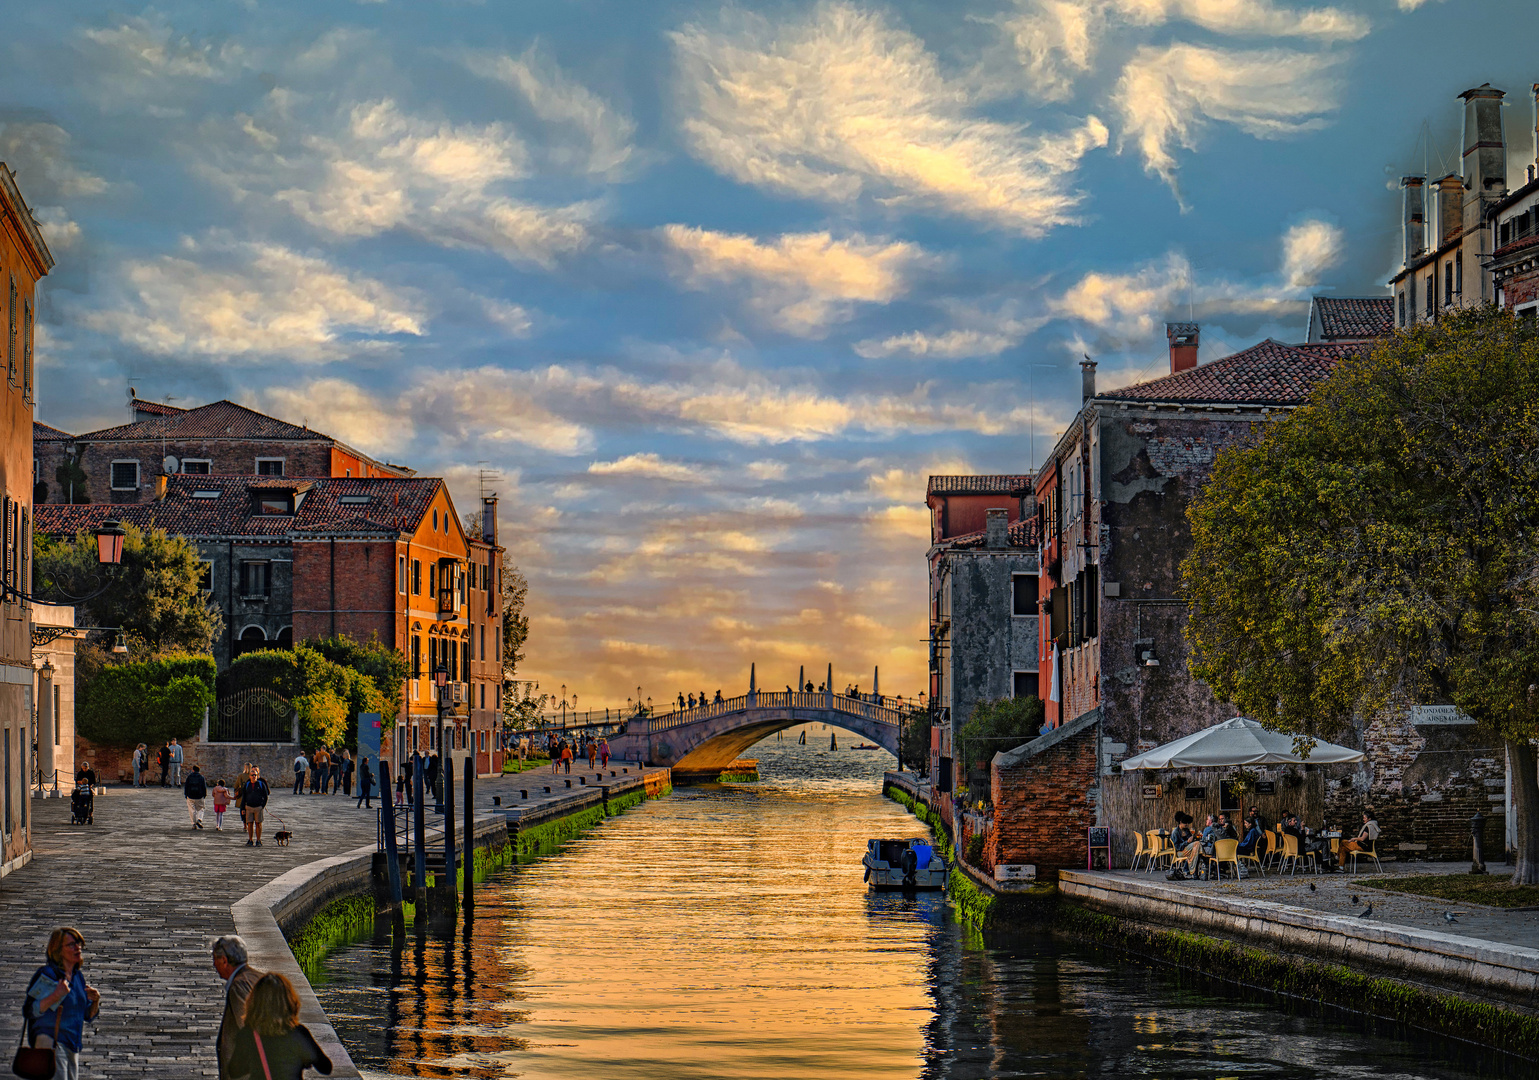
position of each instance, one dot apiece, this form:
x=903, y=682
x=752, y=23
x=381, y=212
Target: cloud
x=900, y=485
x=1057, y=40
x=766, y=470
x=842, y=105
x=154, y=49
x=799, y=282
x=605, y=137
x=1412, y=5
x=249, y=301
x=1309, y=249
x=1167, y=95
x=40, y=156
x=650, y=467
x=977, y=332
x=514, y=319
x=371, y=422
x=59, y=232
x=1129, y=306
x=495, y=405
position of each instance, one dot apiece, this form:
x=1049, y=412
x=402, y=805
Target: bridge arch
x=699, y=743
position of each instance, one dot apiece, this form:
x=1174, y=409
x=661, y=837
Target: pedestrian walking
x=592, y=753
x=141, y=756
x=348, y=765
x=163, y=759
x=176, y=763
x=566, y=756
x=604, y=753
x=273, y=1043
x=365, y=784
x=336, y=772
x=239, y=977
x=400, y=785
x=301, y=764
x=59, y=1001
x=195, y=790
x=555, y=758
x=240, y=791
x=222, y=797
x=255, y=803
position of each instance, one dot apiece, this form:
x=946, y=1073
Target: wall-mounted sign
x=1151, y=791
x=1266, y=787
x=1196, y=794
x=1438, y=714
x=1015, y=872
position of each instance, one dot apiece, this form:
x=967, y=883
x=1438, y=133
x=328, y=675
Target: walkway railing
x=779, y=699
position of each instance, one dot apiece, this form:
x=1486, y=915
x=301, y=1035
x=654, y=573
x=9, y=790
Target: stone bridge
x=699, y=743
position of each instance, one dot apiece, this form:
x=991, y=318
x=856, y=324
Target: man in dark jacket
x=255, y=803
x=239, y=978
x=165, y=762
x=195, y=790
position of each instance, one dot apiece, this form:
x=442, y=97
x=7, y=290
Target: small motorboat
x=904, y=865
x=865, y=746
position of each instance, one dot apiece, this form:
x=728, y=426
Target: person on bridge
x=681, y=699
x=718, y=698
x=691, y=701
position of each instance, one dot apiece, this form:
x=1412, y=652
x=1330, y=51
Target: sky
x=711, y=289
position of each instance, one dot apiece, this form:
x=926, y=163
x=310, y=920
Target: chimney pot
x=996, y=530
x=1087, y=378
x=1183, y=337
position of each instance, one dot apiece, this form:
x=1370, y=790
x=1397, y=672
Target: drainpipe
x=333, y=586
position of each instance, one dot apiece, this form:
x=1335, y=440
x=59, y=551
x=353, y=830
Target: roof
x=1022, y=534
x=385, y=505
x=154, y=408
x=1352, y=318
x=219, y=420
x=1005, y=759
x=41, y=432
x=993, y=484
x=1268, y=373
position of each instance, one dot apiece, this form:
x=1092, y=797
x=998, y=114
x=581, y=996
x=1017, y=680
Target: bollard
x=568, y=783
x=547, y=791
x=582, y=781
x=1477, y=827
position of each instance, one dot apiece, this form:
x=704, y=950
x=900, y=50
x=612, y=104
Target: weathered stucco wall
x=987, y=643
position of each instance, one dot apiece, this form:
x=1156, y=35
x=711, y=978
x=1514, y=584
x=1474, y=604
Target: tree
x=147, y=701
x=515, y=624
x=328, y=696
x=521, y=707
x=999, y=725
x=384, y=665
x=914, y=739
x=156, y=595
x=1378, y=547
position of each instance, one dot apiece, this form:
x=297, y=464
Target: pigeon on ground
x=1366, y=912
x=1355, y=900
x=1448, y=916
x=1312, y=887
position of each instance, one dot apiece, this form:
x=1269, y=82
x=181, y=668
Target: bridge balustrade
x=777, y=699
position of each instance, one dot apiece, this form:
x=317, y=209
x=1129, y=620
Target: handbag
x=34, y=1062
x=260, y=1053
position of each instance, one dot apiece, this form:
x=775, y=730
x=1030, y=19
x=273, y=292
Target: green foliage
x=521, y=706
x=72, y=481
x=1381, y=541
x=515, y=624
x=148, y=701
x=327, y=695
x=975, y=851
x=384, y=665
x=155, y=595
x=914, y=740
x=339, y=923
x=1000, y=725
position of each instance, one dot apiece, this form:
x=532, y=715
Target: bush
x=384, y=665
x=327, y=695
x=975, y=850
x=1000, y=725
x=150, y=701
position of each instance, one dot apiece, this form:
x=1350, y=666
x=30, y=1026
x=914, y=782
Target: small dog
x=282, y=837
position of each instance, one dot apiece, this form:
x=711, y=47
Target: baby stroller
x=82, y=805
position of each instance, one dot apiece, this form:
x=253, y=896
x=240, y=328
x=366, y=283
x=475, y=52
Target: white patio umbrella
x=1241, y=741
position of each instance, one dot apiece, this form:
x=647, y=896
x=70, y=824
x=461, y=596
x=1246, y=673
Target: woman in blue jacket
x=59, y=1002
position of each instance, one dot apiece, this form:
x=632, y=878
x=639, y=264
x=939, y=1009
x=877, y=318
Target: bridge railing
x=778, y=699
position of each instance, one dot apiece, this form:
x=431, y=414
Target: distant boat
x=865, y=746
x=903, y=865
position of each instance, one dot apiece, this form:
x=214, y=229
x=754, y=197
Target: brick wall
x=1044, y=802
x=365, y=598
x=216, y=760
x=227, y=456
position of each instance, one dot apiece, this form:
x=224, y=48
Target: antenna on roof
x=484, y=476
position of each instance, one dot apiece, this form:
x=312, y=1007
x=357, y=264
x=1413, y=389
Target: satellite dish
x=171, y=464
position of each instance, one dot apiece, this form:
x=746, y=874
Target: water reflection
x=726, y=932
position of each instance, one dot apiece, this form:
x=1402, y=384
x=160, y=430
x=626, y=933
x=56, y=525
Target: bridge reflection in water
x=699, y=743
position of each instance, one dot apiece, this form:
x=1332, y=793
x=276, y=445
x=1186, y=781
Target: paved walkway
x=1333, y=894
x=150, y=893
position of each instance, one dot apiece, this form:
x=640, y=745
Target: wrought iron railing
x=258, y=715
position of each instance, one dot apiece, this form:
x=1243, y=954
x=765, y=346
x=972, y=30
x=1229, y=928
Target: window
x=10, y=344
x=1023, y=589
x=416, y=656
x=1431, y=294
x=269, y=466
x=1448, y=282
x=453, y=657
x=125, y=476
x=206, y=575
x=400, y=574
x=432, y=655
x=255, y=579
x=416, y=577
x=197, y=466
x=1402, y=310
x=274, y=504
x=483, y=643
x=1025, y=684
x=465, y=654
x=26, y=351
x=354, y=500
x=1459, y=273
x=482, y=735
x=207, y=494
x=435, y=520
x=483, y=699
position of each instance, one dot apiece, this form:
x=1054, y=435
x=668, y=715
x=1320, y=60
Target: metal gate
x=252, y=716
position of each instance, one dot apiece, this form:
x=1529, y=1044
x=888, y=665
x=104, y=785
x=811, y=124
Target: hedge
x=149, y=701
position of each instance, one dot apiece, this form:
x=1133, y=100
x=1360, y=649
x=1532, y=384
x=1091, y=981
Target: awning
x=1241, y=741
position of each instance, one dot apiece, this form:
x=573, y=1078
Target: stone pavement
x=150, y=893
x=1333, y=896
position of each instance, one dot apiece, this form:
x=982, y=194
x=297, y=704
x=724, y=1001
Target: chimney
x=1448, y=209
x=1183, y=345
x=161, y=483
x=1414, y=196
x=1484, y=161
x=489, y=519
x=1087, y=379
x=996, y=527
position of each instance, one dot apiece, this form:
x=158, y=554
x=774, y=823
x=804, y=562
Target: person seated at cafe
x=1252, y=838
x=1366, y=838
x=1225, y=829
x=1181, y=836
x=1193, y=850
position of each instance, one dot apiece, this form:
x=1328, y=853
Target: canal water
x=725, y=932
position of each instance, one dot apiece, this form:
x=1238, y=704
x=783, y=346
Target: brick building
x=1044, y=799
x=123, y=464
x=983, y=590
x=24, y=261
x=294, y=558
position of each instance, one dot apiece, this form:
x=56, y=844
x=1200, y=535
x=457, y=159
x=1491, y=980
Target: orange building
x=24, y=260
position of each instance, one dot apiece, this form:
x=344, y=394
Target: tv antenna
x=486, y=476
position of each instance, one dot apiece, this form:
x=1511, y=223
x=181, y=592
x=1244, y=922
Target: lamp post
x=45, y=734
x=441, y=681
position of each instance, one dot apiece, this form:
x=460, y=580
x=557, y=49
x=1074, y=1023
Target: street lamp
x=45, y=728
x=109, y=552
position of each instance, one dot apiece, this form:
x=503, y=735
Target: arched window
x=251, y=639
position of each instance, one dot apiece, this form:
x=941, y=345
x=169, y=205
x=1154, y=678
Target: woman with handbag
x=272, y=1044
x=57, y=1005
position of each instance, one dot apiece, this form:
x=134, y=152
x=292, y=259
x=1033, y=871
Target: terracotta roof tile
x=221, y=419
x=1345, y=318
x=41, y=432
x=1023, y=534
x=994, y=484
x=154, y=408
x=1269, y=373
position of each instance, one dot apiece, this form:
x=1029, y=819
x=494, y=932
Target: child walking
x=221, y=800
